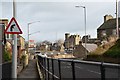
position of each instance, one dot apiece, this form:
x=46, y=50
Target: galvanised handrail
x=72, y=61
x=110, y=65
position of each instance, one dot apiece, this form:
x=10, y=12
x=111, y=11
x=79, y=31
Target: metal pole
x=73, y=69
x=85, y=28
x=44, y=69
x=59, y=67
x=56, y=37
x=28, y=38
x=102, y=69
x=52, y=69
x=29, y=33
x=117, y=26
x=14, y=54
x=14, y=57
x=1, y=47
x=84, y=25
x=48, y=67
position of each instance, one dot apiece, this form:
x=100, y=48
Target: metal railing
x=6, y=70
x=47, y=67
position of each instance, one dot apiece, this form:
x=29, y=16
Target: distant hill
x=113, y=51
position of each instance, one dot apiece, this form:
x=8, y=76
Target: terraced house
x=8, y=40
x=108, y=29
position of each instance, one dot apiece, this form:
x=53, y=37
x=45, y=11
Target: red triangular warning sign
x=13, y=27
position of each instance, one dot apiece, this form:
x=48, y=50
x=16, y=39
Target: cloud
x=58, y=17
x=59, y=0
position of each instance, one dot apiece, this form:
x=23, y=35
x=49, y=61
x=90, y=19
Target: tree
x=60, y=41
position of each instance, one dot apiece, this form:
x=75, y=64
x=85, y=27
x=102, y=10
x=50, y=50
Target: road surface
x=82, y=71
x=0, y=71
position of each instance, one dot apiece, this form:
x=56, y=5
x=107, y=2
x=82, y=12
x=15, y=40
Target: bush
x=23, y=57
x=114, y=51
x=6, y=56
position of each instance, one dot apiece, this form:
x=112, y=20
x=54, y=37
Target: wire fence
x=60, y=69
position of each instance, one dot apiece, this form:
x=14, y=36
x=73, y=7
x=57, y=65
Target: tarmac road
x=83, y=71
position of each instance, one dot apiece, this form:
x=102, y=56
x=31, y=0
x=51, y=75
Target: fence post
x=52, y=70
x=48, y=67
x=102, y=68
x=45, y=66
x=59, y=67
x=42, y=59
x=118, y=72
x=73, y=69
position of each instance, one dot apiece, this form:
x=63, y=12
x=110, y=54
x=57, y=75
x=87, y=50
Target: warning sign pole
x=14, y=53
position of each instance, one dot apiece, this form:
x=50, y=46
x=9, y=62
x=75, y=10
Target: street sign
x=13, y=27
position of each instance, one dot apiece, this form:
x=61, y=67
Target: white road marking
x=81, y=68
x=65, y=67
x=93, y=71
x=88, y=70
x=78, y=67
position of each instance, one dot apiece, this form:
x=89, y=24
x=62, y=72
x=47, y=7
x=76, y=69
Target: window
x=10, y=36
x=103, y=33
x=114, y=32
x=7, y=36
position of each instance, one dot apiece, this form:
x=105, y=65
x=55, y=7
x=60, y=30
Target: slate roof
x=90, y=47
x=110, y=24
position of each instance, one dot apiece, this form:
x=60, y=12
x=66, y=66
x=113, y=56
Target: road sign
x=13, y=27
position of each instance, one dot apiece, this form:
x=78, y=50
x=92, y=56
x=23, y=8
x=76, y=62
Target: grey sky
x=56, y=18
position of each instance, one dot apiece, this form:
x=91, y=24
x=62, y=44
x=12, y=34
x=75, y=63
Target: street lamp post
x=34, y=33
x=84, y=23
x=29, y=33
x=117, y=26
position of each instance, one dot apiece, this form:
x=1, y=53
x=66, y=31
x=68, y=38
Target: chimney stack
x=107, y=17
x=67, y=35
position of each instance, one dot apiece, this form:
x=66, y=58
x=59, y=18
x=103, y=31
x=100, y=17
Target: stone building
x=71, y=41
x=107, y=30
x=43, y=47
x=91, y=40
x=57, y=47
x=8, y=40
x=3, y=24
x=82, y=50
x=20, y=45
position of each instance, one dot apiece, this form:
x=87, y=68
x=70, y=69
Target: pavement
x=30, y=72
x=19, y=68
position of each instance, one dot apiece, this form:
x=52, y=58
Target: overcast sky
x=58, y=17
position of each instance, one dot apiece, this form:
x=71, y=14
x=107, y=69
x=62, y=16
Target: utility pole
x=117, y=26
x=28, y=46
x=14, y=47
x=1, y=48
x=30, y=34
x=85, y=23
